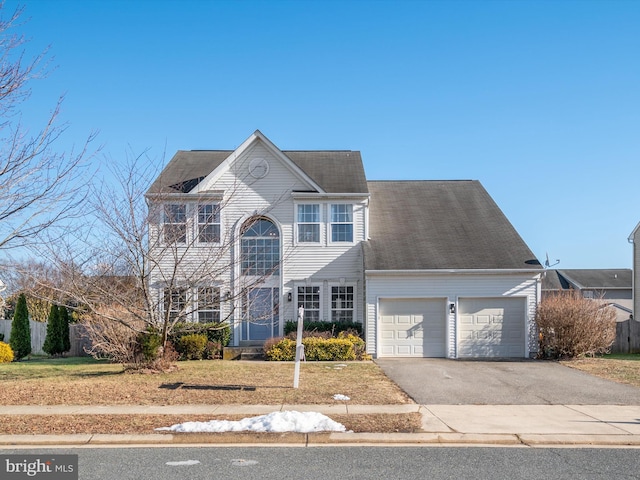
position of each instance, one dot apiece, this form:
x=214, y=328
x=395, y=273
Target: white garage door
x=412, y=328
x=491, y=327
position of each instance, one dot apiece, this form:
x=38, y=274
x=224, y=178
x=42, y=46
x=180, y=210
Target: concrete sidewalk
x=517, y=425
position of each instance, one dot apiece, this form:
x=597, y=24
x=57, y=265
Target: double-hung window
x=175, y=303
x=309, y=299
x=175, y=223
x=309, y=223
x=209, y=223
x=342, y=222
x=342, y=304
x=208, y=304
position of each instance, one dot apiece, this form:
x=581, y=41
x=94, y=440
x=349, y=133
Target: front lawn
x=622, y=368
x=85, y=381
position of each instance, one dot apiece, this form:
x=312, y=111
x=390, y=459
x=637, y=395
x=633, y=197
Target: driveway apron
x=439, y=381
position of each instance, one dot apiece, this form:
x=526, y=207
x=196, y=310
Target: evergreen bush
x=53, y=340
x=334, y=327
x=20, y=338
x=64, y=328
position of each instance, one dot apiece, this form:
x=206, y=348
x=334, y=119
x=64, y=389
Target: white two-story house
x=429, y=268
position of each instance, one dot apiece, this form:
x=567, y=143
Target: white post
x=299, y=347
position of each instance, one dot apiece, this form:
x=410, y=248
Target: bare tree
x=38, y=186
x=138, y=265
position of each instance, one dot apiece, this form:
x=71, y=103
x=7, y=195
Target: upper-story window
x=260, y=248
x=342, y=222
x=209, y=223
x=309, y=223
x=175, y=223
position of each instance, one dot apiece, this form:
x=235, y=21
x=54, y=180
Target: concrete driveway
x=438, y=381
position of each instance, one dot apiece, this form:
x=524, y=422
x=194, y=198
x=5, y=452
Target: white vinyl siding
x=241, y=197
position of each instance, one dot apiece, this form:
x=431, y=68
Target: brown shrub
x=570, y=326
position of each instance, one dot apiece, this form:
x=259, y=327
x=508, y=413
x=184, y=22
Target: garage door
x=491, y=327
x=412, y=328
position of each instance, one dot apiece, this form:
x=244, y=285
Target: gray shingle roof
x=591, y=278
x=423, y=225
x=334, y=171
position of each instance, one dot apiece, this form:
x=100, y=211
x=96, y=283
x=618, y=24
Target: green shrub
x=6, y=354
x=192, y=346
x=20, y=338
x=334, y=327
x=216, y=332
x=149, y=343
x=53, y=339
x=1, y=337
x=64, y=328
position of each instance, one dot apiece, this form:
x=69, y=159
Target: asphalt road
x=439, y=381
x=343, y=463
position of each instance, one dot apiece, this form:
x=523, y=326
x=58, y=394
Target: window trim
x=321, y=299
x=212, y=308
x=299, y=223
x=331, y=223
x=331, y=286
x=198, y=224
x=181, y=314
x=168, y=224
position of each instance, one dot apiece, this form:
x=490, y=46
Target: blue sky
x=540, y=101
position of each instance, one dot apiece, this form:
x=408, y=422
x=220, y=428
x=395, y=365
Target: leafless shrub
x=572, y=326
x=110, y=339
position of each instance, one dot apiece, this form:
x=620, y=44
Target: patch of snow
x=340, y=397
x=289, y=421
x=185, y=462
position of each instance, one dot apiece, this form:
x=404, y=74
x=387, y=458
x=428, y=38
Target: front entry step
x=243, y=353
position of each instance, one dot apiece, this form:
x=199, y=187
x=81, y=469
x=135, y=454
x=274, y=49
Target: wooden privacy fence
x=627, y=337
x=39, y=331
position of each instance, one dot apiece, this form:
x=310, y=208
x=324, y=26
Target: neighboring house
x=635, y=239
x=431, y=268
x=611, y=285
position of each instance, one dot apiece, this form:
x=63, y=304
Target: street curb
x=322, y=439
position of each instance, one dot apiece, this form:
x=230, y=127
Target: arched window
x=260, y=248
